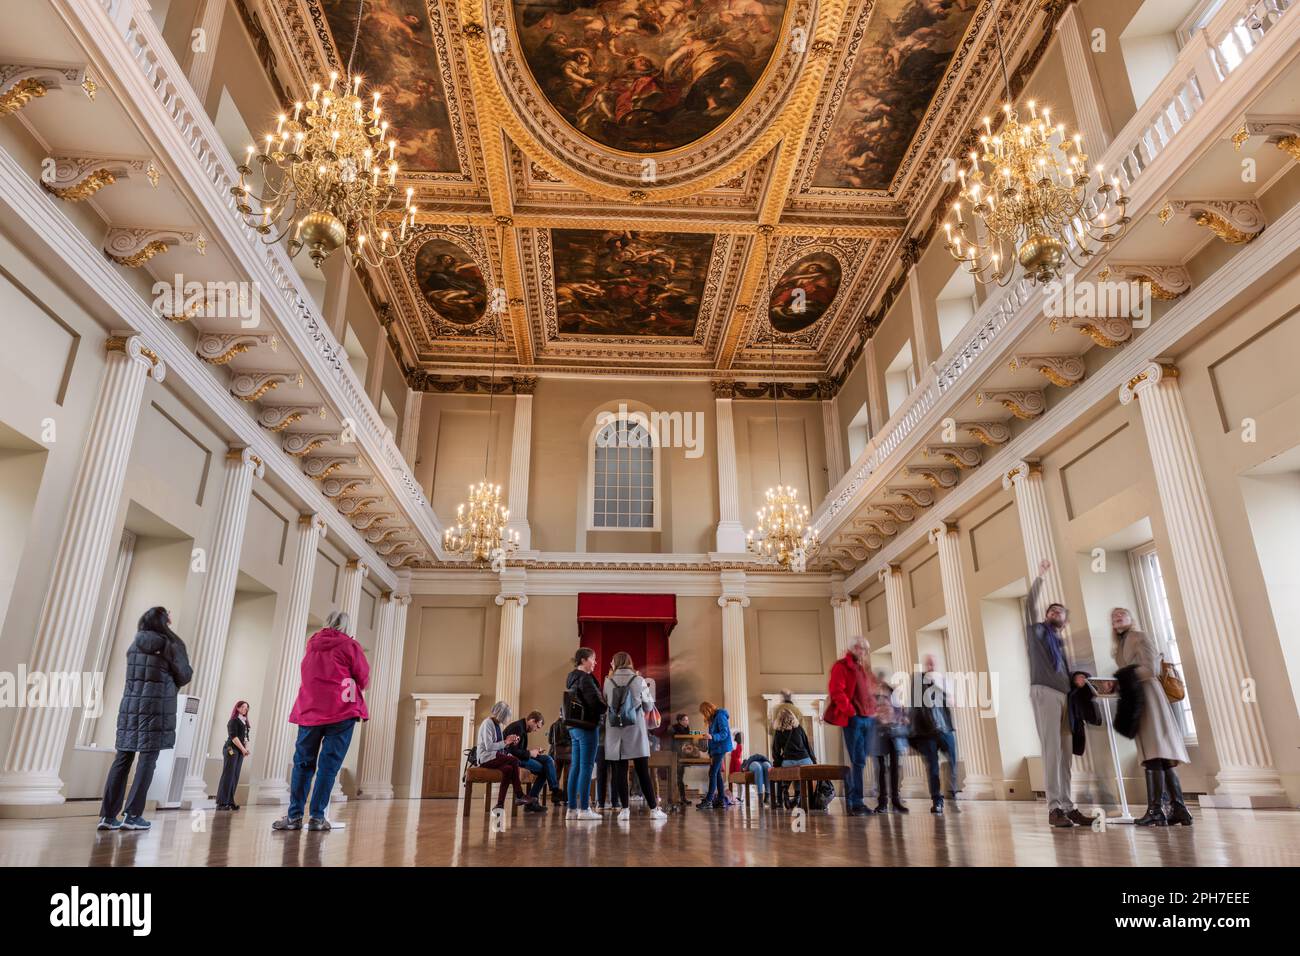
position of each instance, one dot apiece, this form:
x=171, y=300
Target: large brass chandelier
x=329, y=177
x=482, y=531
x=1027, y=196
x=783, y=533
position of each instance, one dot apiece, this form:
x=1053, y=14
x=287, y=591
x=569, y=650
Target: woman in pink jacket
x=334, y=673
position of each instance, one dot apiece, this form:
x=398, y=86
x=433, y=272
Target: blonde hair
x=785, y=719
x=621, y=660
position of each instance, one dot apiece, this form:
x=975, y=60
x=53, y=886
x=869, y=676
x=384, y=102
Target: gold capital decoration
x=20, y=94
x=87, y=187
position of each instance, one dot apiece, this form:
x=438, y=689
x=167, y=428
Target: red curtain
x=636, y=623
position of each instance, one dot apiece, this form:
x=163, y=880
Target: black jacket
x=1128, y=715
x=790, y=745
x=1081, y=705
x=593, y=701
x=558, y=737
x=236, y=729
x=156, y=668
x=932, y=714
x=520, y=727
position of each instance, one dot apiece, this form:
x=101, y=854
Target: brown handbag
x=1174, y=687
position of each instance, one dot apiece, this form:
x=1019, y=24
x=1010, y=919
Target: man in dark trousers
x=540, y=765
x=1049, y=688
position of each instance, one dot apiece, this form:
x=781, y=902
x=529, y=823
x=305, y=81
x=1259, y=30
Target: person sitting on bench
x=790, y=748
x=492, y=755
x=540, y=765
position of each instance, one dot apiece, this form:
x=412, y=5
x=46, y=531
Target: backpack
x=471, y=760
x=625, y=707
x=575, y=710
x=822, y=796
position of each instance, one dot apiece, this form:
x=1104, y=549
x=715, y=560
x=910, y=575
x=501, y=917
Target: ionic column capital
x=313, y=521
x=518, y=598
x=358, y=566
x=942, y=529
x=1022, y=470
x=1148, y=378
x=726, y=599
x=245, y=456
x=133, y=347
x=884, y=573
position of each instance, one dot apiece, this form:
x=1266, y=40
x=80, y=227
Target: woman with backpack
x=719, y=731
x=156, y=668
x=790, y=747
x=626, y=735
x=584, y=709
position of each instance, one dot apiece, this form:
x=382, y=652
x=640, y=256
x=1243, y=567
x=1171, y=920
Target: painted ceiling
x=667, y=187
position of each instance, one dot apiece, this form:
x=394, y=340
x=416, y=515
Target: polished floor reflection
x=433, y=833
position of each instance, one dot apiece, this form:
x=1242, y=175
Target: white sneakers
x=657, y=814
x=624, y=815
x=588, y=815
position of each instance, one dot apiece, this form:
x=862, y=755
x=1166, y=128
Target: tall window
x=623, y=477
x=1154, y=610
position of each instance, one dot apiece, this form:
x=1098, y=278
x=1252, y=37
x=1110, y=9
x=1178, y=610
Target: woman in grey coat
x=626, y=735
x=1159, y=738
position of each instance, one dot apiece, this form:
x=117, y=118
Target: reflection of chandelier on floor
x=1025, y=197
x=330, y=177
x=481, y=531
x=783, y=534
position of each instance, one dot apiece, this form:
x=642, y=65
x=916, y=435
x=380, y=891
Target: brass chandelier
x=1027, y=196
x=481, y=530
x=329, y=177
x=783, y=533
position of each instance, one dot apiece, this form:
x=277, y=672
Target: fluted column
x=735, y=674
x=1026, y=478
x=373, y=785
x=833, y=441
x=274, y=785
x=211, y=13
x=911, y=773
x=30, y=772
x=354, y=572
x=1247, y=776
x=1085, y=88
x=963, y=669
x=520, y=464
x=207, y=646
x=731, y=534
x=844, y=611
x=510, y=645
x=387, y=717
x=409, y=444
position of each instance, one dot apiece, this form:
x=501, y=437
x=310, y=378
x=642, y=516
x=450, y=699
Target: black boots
x=1177, y=808
x=1155, y=815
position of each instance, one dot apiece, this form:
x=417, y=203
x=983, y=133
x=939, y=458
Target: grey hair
x=859, y=641
x=339, y=621
x=500, y=712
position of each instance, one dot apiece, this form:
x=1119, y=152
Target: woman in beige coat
x=1159, y=738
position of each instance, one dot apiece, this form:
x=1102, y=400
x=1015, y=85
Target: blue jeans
x=716, y=786
x=759, y=769
x=542, y=767
x=319, y=753
x=857, y=741
x=583, y=759
x=931, y=747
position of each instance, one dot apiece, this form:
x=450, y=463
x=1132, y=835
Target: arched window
x=623, y=477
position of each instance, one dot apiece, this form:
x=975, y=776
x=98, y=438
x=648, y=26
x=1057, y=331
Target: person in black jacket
x=156, y=668
x=790, y=748
x=233, y=753
x=934, y=732
x=584, y=710
x=540, y=765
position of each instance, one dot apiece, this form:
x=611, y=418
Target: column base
x=1244, y=801
x=270, y=792
x=731, y=537
x=194, y=795
x=376, y=792
x=1263, y=786
x=31, y=789
x=978, y=788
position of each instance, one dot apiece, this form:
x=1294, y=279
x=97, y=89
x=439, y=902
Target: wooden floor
x=433, y=833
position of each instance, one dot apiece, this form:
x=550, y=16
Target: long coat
x=1159, y=736
x=627, y=743
x=156, y=668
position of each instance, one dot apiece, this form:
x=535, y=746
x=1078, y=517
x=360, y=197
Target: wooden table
x=805, y=777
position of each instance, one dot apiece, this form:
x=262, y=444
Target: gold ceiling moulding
x=134, y=246
x=20, y=94
x=87, y=187
x=276, y=418
x=494, y=108
x=218, y=348
x=1023, y=403
x=1234, y=221
x=989, y=433
x=251, y=386
x=1063, y=371
x=75, y=178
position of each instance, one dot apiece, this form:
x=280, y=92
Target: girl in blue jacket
x=719, y=731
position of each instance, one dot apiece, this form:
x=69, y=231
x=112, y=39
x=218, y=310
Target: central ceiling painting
x=629, y=283
x=903, y=57
x=647, y=77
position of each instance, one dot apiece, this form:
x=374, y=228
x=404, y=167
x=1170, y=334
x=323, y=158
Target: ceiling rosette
x=648, y=103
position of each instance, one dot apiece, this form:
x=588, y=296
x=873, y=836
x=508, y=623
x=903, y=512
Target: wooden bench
x=805, y=777
x=487, y=777
x=745, y=778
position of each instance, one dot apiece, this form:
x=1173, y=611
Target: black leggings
x=642, y=767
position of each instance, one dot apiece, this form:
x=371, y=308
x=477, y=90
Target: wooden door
x=442, y=755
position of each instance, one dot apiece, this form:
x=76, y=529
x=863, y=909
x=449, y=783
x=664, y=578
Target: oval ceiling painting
x=804, y=292
x=450, y=282
x=647, y=77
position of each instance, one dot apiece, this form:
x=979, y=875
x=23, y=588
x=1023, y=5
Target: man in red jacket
x=852, y=706
x=334, y=673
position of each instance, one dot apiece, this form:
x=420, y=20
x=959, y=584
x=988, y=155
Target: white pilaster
x=30, y=772
x=397, y=634
x=731, y=533
x=373, y=785
x=410, y=442
x=842, y=606
x=911, y=775
x=207, y=646
x=354, y=572
x=1247, y=776
x=280, y=737
x=834, y=443
x=520, y=465
x=735, y=675
x=966, y=708
x=876, y=403
x=211, y=13
x=1085, y=88
x=510, y=646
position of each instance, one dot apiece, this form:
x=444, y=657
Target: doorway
x=441, y=772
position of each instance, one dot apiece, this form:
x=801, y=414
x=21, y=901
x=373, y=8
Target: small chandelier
x=330, y=177
x=783, y=533
x=481, y=530
x=1028, y=191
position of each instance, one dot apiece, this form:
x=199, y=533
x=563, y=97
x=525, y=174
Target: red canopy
x=659, y=608
x=636, y=623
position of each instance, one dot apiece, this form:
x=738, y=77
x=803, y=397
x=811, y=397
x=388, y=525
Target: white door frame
x=439, y=705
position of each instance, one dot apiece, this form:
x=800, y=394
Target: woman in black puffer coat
x=156, y=668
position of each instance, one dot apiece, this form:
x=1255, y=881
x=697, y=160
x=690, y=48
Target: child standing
x=719, y=731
